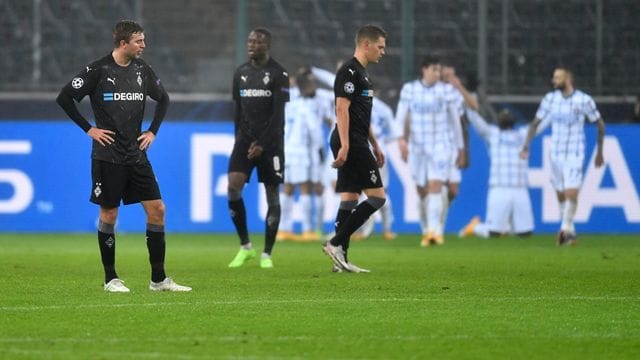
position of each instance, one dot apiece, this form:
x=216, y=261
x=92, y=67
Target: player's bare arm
x=524, y=153
x=342, y=118
x=377, y=152
x=403, y=140
x=599, y=161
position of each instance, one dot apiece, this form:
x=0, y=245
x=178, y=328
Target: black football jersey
x=352, y=82
x=260, y=95
x=118, y=96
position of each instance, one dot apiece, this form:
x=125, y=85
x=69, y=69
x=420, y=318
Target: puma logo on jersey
x=244, y=78
x=113, y=81
x=89, y=69
x=352, y=71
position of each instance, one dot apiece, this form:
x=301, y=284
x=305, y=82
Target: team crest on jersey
x=139, y=80
x=266, y=78
x=349, y=88
x=97, y=190
x=77, y=83
x=373, y=177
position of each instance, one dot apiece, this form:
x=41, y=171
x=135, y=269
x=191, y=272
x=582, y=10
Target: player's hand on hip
x=145, y=140
x=341, y=158
x=254, y=151
x=104, y=137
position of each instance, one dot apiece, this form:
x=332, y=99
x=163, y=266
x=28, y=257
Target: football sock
x=157, y=248
x=445, y=207
x=239, y=218
x=271, y=227
x=286, y=222
x=355, y=220
x=567, y=218
x=344, y=210
x=305, y=203
x=423, y=211
x=386, y=213
x=107, y=243
x=435, y=212
x=319, y=202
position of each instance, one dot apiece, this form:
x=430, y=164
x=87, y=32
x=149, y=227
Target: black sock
x=271, y=227
x=341, y=217
x=239, y=218
x=107, y=243
x=352, y=223
x=157, y=247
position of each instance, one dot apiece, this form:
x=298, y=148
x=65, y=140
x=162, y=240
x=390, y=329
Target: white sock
x=305, y=202
x=481, y=230
x=265, y=256
x=435, y=213
x=247, y=246
x=319, y=202
x=386, y=213
x=423, y=211
x=567, y=216
x=445, y=206
x=286, y=223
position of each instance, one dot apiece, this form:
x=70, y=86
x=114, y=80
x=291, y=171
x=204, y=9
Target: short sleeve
x=591, y=111
x=235, y=92
x=545, y=107
x=344, y=86
x=282, y=86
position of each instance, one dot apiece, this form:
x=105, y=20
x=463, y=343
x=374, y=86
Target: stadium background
x=510, y=46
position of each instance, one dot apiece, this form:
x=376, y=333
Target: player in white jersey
x=566, y=110
x=464, y=99
x=508, y=203
x=304, y=147
x=428, y=108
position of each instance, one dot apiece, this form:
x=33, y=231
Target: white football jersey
x=432, y=111
x=566, y=116
x=507, y=168
x=303, y=132
x=382, y=121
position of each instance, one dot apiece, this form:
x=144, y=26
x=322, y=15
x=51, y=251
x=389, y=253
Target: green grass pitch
x=471, y=298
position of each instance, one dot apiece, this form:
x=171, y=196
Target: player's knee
x=234, y=193
x=109, y=216
x=376, y=202
x=157, y=212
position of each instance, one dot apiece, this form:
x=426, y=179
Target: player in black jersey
x=118, y=85
x=350, y=140
x=260, y=91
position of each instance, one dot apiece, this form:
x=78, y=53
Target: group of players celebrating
x=428, y=127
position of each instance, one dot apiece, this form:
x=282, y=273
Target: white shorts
x=299, y=169
x=427, y=166
x=509, y=210
x=566, y=173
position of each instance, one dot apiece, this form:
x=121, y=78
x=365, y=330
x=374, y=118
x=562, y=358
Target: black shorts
x=359, y=172
x=270, y=164
x=130, y=184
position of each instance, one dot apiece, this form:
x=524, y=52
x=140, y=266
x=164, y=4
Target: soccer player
x=566, y=109
x=260, y=91
x=118, y=85
x=304, y=149
x=508, y=203
x=357, y=166
x=428, y=108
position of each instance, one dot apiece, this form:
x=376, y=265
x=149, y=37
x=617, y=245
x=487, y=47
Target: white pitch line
x=437, y=298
